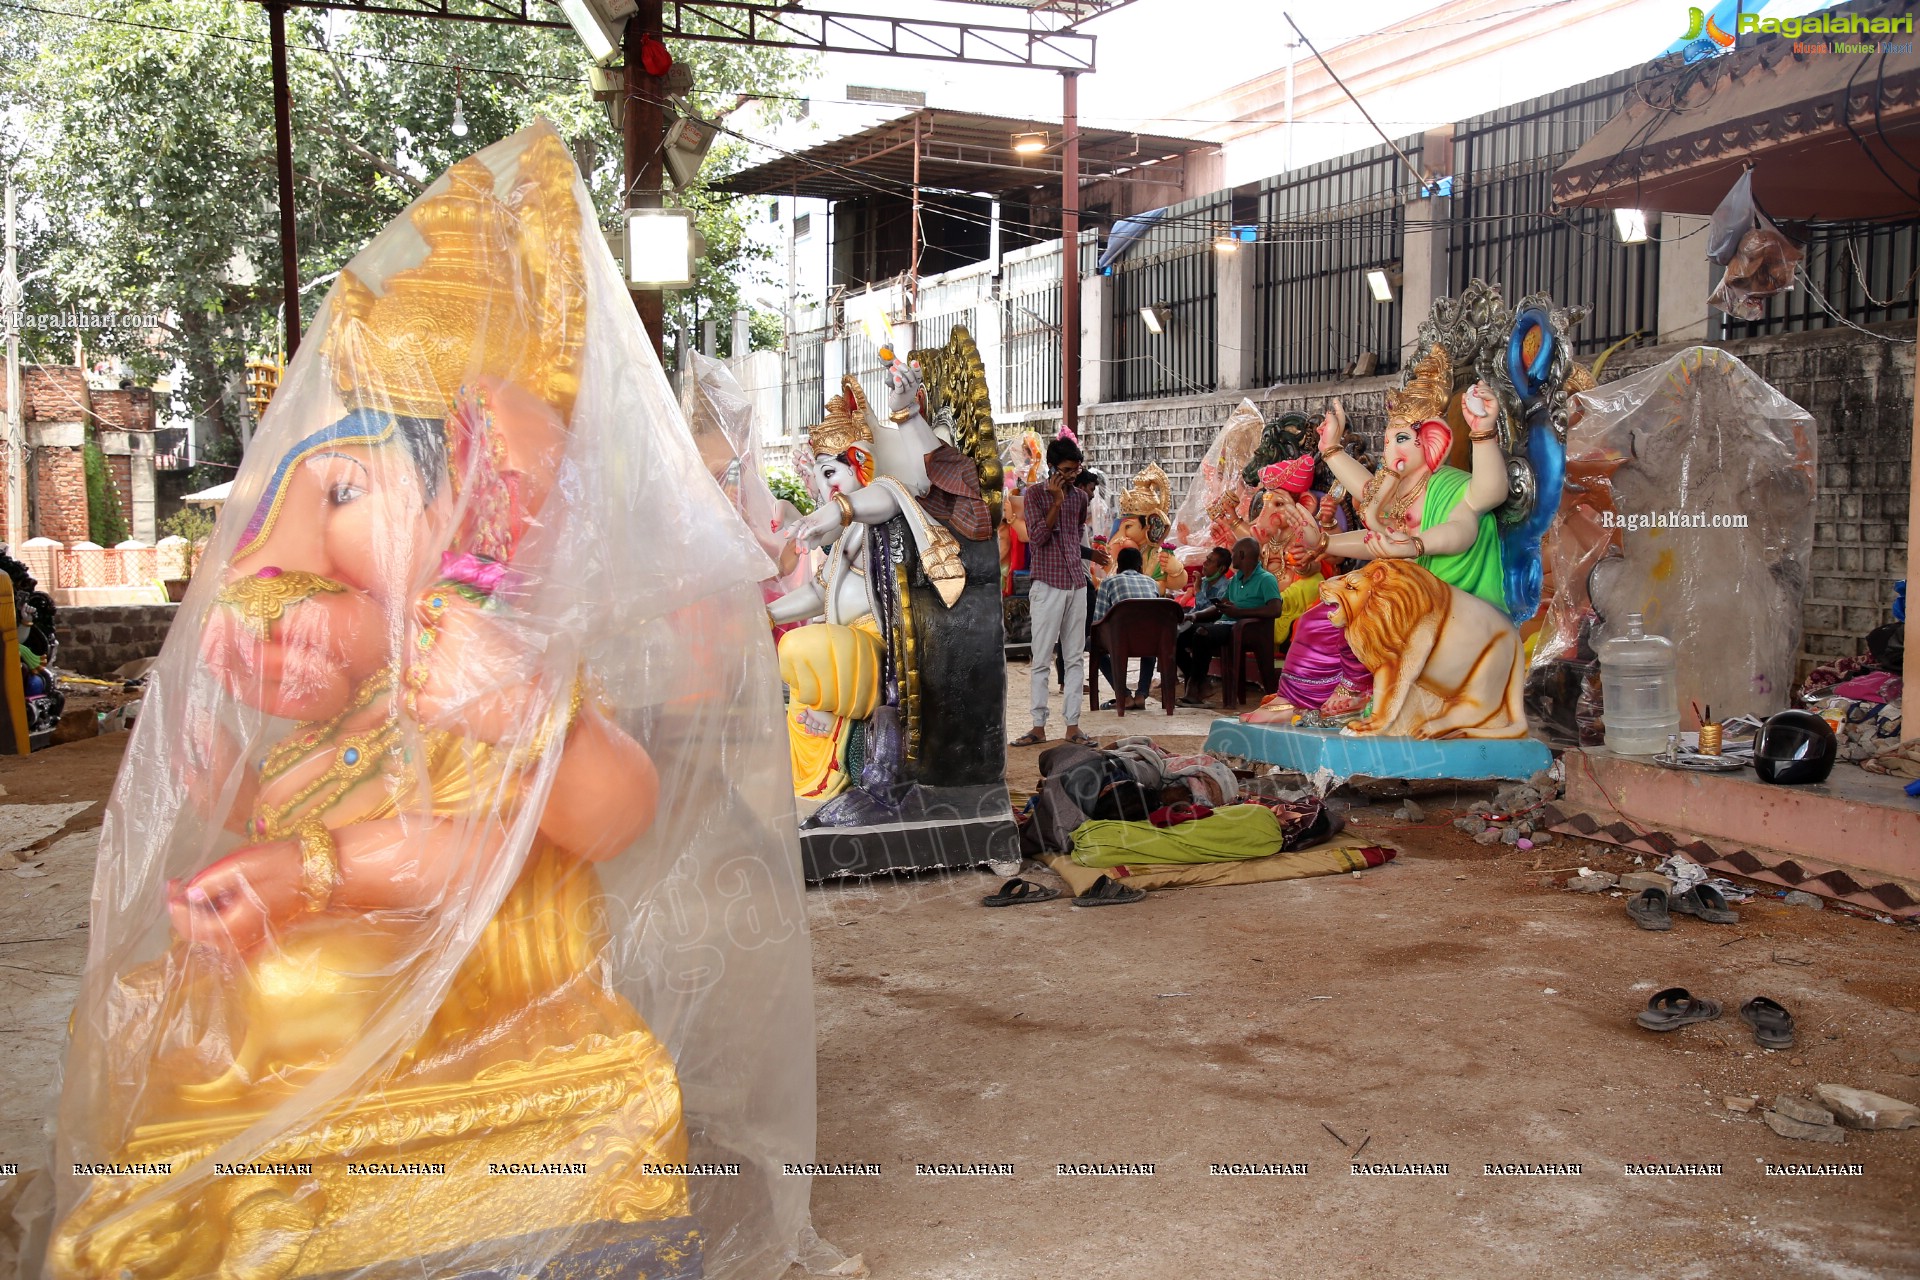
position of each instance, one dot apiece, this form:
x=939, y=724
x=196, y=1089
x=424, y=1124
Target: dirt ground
x=1453, y=1007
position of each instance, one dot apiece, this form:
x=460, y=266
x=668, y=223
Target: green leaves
x=147, y=170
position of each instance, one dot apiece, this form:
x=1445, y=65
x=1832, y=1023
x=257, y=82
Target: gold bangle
x=899, y=416
x=319, y=866
x=1481, y=438
x=1327, y=451
x=1419, y=545
x=845, y=504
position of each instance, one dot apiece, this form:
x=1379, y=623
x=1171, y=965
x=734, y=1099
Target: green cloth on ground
x=1234, y=833
x=1480, y=568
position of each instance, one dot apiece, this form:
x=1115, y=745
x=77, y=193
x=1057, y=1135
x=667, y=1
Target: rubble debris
x=1865, y=1109
x=1788, y=1128
x=1802, y=1110
x=1801, y=898
x=1635, y=881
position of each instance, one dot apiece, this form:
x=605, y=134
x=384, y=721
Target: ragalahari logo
x=1701, y=23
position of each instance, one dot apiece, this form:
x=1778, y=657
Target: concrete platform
x=1311, y=750
x=1854, y=837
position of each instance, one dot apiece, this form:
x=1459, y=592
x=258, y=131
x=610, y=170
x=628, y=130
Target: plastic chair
x=1252, y=638
x=1136, y=629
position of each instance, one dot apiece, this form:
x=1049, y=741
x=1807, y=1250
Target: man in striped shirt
x=1057, y=600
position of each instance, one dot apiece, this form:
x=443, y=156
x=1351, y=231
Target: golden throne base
x=322, y=1202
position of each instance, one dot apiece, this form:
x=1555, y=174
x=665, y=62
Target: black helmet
x=1793, y=747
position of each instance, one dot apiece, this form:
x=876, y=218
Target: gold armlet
x=319, y=866
x=899, y=416
x=845, y=504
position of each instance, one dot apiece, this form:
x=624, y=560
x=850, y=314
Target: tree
x=149, y=167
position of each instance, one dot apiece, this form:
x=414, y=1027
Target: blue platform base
x=1311, y=750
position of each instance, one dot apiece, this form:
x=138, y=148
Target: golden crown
x=501, y=292
x=1149, y=495
x=1424, y=395
x=847, y=422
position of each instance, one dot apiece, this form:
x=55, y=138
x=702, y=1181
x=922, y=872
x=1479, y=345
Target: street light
x=659, y=248
x=599, y=24
x=1631, y=224
x=1156, y=319
x=1028, y=144
x=1381, y=281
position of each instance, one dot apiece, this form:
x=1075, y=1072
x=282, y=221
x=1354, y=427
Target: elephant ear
x=955, y=383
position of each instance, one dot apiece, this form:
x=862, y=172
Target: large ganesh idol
x=1450, y=553
x=382, y=982
x=897, y=693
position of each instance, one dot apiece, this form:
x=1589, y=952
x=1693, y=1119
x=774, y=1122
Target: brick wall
x=1857, y=386
x=53, y=393
x=1859, y=389
x=60, y=494
x=126, y=409
x=96, y=639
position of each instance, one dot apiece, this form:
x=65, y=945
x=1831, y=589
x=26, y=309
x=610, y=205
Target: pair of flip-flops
x=1677, y=1007
x=1653, y=909
x=1104, y=892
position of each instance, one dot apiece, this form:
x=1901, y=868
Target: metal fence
x=1321, y=230
x=934, y=330
x=1171, y=273
x=1030, y=333
x=1504, y=229
x=803, y=369
x=1857, y=274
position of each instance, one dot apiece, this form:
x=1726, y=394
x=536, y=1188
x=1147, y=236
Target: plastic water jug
x=1639, y=687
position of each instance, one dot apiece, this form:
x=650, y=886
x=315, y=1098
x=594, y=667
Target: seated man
x=1126, y=582
x=1211, y=586
x=1251, y=592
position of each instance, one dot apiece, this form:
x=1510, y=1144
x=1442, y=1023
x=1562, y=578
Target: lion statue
x=1445, y=663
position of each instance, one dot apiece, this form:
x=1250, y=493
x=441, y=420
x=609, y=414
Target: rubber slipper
x=1676, y=1007
x=1108, y=892
x=1016, y=891
x=1772, y=1024
x=1706, y=902
x=1649, y=909
x=1031, y=738
x=1074, y=735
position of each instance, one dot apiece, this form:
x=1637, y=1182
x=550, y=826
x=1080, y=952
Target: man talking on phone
x=1058, y=599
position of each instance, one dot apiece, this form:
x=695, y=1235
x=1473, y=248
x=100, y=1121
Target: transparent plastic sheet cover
x=1216, y=498
x=463, y=771
x=1700, y=438
x=720, y=416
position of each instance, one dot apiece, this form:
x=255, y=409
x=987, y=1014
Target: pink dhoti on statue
x=1319, y=661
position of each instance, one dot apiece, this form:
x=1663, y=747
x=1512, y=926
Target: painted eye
x=343, y=493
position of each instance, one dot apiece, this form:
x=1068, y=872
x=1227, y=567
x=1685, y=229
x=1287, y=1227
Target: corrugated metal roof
x=959, y=151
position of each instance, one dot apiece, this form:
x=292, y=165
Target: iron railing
x=1030, y=346
x=1858, y=274
x=803, y=367
x=1504, y=229
x=1171, y=271
x=1321, y=230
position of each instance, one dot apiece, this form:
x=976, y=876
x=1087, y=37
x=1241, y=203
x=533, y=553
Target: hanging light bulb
x=459, y=118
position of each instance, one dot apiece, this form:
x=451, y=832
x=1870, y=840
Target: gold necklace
x=1394, y=514
x=358, y=755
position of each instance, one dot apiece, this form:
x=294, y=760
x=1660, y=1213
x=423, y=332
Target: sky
x=1155, y=57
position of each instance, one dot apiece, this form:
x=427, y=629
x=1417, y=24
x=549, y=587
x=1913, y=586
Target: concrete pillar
x=1685, y=278
x=1425, y=272
x=993, y=357
x=1096, y=341
x=742, y=333
x=1233, y=310
x=145, y=489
